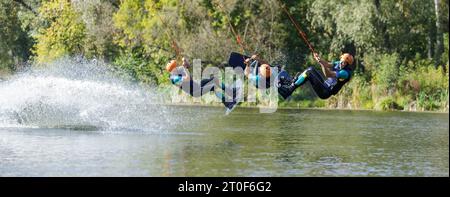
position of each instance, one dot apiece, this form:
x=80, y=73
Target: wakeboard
x=237, y=99
x=237, y=60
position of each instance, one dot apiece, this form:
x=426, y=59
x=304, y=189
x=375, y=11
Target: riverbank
x=300, y=108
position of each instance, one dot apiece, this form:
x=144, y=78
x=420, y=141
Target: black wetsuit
x=191, y=87
x=278, y=79
x=197, y=90
x=324, y=89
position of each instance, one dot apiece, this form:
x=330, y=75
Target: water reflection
x=246, y=143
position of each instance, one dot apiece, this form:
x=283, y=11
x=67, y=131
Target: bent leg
x=316, y=80
x=213, y=85
x=285, y=90
x=318, y=84
x=192, y=88
x=207, y=85
x=231, y=92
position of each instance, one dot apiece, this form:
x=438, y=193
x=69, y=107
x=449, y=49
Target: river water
x=245, y=143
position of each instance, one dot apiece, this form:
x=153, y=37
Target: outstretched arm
x=327, y=72
x=247, y=63
x=186, y=78
x=247, y=70
x=326, y=66
x=257, y=58
x=186, y=66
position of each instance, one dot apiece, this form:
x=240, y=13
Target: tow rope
x=239, y=41
x=297, y=27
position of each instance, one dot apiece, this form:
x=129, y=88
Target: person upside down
x=261, y=77
x=338, y=73
x=180, y=77
x=265, y=76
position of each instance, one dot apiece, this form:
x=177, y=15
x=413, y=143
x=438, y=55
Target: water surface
x=245, y=143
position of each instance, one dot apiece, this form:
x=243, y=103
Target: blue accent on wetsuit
x=258, y=81
x=341, y=74
x=301, y=79
x=220, y=95
x=254, y=78
x=176, y=79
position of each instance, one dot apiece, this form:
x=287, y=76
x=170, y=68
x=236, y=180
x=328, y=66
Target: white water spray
x=80, y=94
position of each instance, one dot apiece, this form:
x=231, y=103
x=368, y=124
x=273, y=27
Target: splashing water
x=80, y=94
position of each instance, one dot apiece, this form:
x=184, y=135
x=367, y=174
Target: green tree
x=14, y=40
x=404, y=27
x=145, y=36
x=62, y=31
x=96, y=16
x=219, y=23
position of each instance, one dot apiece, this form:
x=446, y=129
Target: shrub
x=388, y=103
x=384, y=69
x=142, y=69
x=65, y=34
